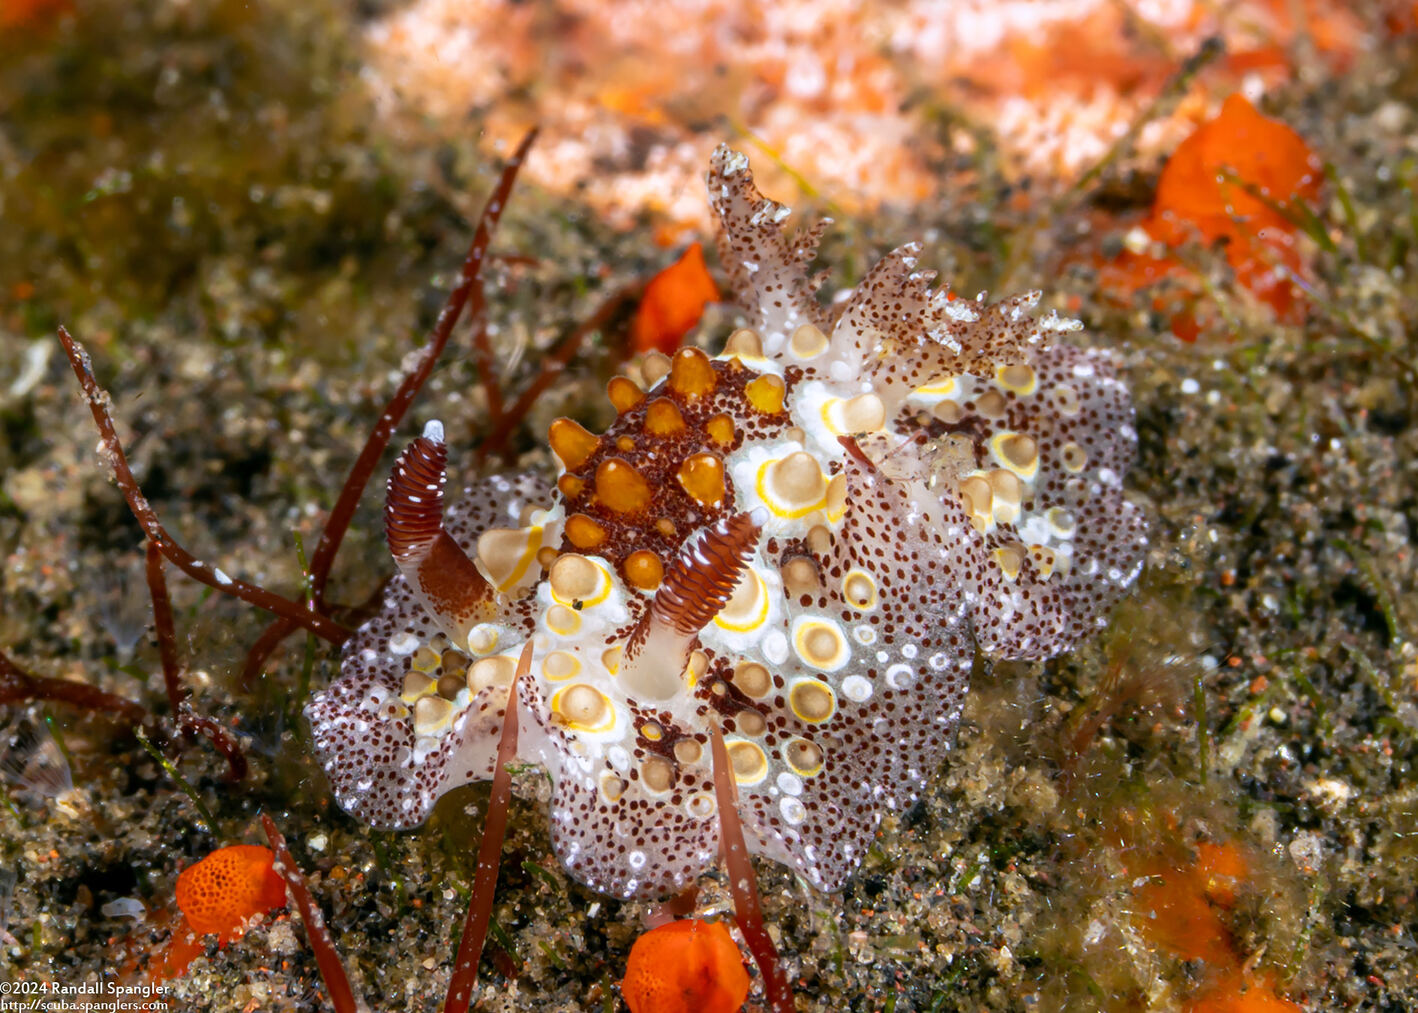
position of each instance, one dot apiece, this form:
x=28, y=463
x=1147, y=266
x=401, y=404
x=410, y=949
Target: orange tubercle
x=644, y=570
x=572, y=442
x=691, y=374
x=766, y=393
x=685, y=966
x=583, y=532
x=663, y=418
x=621, y=488
x=624, y=394
x=720, y=429
x=702, y=476
x=673, y=303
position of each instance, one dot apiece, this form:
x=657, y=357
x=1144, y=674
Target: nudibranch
x=802, y=539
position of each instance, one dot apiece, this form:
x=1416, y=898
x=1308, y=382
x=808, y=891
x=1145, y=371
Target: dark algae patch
x=203, y=195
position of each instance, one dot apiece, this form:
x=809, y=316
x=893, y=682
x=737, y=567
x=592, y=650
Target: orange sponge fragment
x=687, y=966
x=218, y=896
x=1179, y=907
x=1225, y=184
x=673, y=303
x=1236, y=994
x=31, y=13
x=1194, y=191
x=229, y=887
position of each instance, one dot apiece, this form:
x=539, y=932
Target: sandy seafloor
x=202, y=194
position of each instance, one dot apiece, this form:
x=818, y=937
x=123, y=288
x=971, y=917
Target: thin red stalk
x=188, y=720
x=98, y=401
x=681, y=905
x=327, y=958
x=743, y=884
x=552, y=367
x=221, y=738
x=271, y=638
x=469, y=280
x=488, y=373
x=267, y=642
x=164, y=628
x=19, y=686
x=468, y=286
x=470, y=947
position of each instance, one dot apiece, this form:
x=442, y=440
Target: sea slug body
x=802, y=539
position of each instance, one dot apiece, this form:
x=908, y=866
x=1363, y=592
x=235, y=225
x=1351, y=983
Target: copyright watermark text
x=35, y=996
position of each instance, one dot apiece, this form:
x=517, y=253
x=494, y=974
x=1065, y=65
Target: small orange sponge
x=673, y=303
x=687, y=966
x=1193, y=192
x=223, y=891
x=1236, y=994
x=32, y=13
x=1206, y=192
x=1180, y=906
